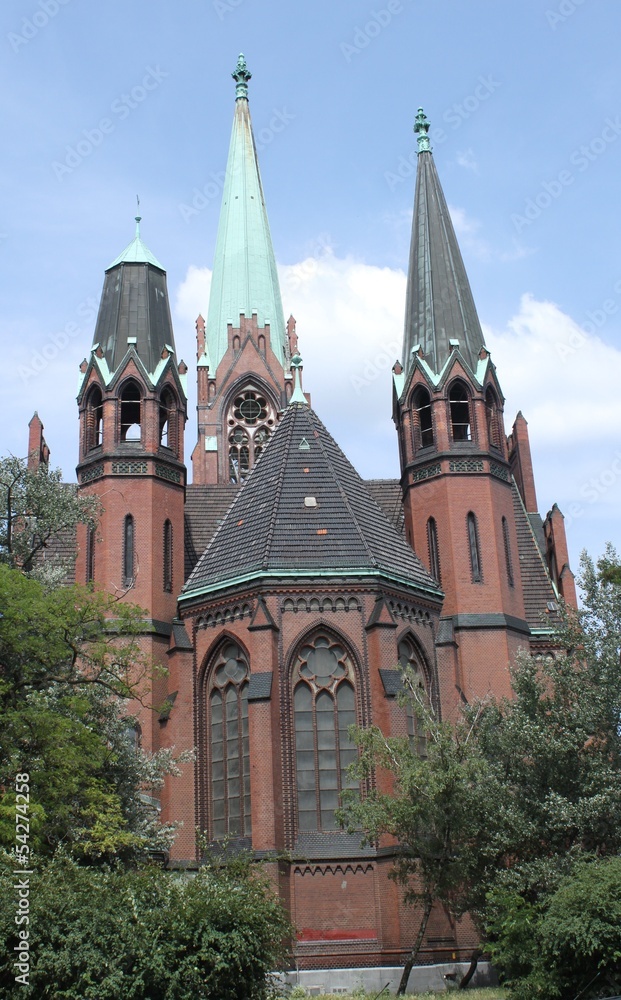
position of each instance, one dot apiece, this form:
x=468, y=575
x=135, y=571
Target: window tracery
x=250, y=422
x=411, y=661
x=324, y=707
x=229, y=745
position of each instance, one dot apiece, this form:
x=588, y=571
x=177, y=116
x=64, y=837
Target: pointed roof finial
x=422, y=127
x=297, y=396
x=241, y=77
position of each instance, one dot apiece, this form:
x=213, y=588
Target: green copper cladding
x=241, y=77
x=136, y=252
x=421, y=126
x=297, y=396
x=245, y=279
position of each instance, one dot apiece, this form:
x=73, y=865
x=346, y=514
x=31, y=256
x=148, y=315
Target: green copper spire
x=136, y=252
x=241, y=77
x=245, y=279
x=422, y=127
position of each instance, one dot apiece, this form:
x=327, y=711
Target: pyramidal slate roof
x=305, y=511
x=439, y=302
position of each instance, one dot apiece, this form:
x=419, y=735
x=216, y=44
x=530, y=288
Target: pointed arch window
x=94, y=418
x=324, y=707
x=128, y=551
x=410, y=660
x=91, y=539
x=434, y=551
x=473, y=542
x=168, y=420
x=251, y=420
x=459, y=402
x=168, y=556
x=507, y=547
x=491, y=413
x=422, y=408
x=229, y=745
x=131, y=412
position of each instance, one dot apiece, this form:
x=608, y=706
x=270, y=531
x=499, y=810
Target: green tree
x=105, y=933
x=512, y=796
x=67, y=670
x=555, y=749
x=434, y=810
x=37, y=509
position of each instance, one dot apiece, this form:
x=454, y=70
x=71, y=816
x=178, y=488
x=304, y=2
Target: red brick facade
x=278, y=641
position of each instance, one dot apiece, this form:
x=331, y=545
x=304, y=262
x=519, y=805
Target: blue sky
x=100, y=102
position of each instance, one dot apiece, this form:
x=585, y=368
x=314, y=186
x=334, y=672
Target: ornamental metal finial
x=422, y=127
x=241, y=77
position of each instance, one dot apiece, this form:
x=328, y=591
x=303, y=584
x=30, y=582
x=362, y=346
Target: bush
x=101, y=934
x=571, y=944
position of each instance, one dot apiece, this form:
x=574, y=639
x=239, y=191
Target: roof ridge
x=529, y=528
x=274, y=512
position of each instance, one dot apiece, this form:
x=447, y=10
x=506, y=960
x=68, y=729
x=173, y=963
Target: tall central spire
x=245, y=279
x=439, y=302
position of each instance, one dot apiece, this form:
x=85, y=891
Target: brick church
x=283, y=590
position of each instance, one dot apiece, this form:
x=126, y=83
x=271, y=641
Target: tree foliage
x=67, y=671
x=101, y=934
x=514, y=797
x=433, y=810
x=37, y=508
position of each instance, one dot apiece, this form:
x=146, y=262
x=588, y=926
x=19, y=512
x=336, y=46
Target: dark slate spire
x=305, y=511
x=134, y=307
x=439, y=303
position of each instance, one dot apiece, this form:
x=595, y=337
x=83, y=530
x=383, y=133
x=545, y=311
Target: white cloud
x=467, y=159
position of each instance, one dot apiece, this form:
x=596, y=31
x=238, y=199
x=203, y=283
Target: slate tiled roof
x=305, y=510
x=537, y=586
x=205, y=507
x=387, y=495
x=61, y=549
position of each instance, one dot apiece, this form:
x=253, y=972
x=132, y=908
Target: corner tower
x=243, y=350
x=465, y=516
x=132, y=406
